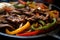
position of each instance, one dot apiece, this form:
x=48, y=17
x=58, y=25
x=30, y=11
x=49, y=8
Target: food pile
x=27, y=19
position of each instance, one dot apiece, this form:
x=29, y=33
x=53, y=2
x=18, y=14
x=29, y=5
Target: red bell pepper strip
x=22, y=2
x=31, y=33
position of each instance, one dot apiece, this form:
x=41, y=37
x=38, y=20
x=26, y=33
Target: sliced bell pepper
x=37, y=31
x=46, y=26
x=49, y=25
x=22, y=2
x=30, y=33
x=32, y=5
x=8, y=9
x=54, y=14
x=21, y=6
x=42, y=22
x=19, y=30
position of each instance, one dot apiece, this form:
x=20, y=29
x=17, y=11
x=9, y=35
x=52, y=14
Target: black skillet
x=51, y=33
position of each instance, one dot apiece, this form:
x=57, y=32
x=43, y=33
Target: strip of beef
x=2, y=19
x=6, y=26
x=16, y=18
x=25, y=11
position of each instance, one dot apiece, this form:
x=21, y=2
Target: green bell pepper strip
x=40, y=21
x=33, y=28
x=46, y=26
x=21, y=6
x=43, y=23
x=49, y=25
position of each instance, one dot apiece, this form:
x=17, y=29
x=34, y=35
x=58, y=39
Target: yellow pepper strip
x=54, y=14
x=19, y=30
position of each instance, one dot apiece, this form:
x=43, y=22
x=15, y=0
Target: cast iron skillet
x=52, y=33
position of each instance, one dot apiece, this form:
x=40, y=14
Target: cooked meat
x=25, y=12
x=2, y=19
x=46, y=17
x=58, y=20
x=30, y=17
x=6, y=25
x=33, y=18
x=41, y=5
x=15, y=18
